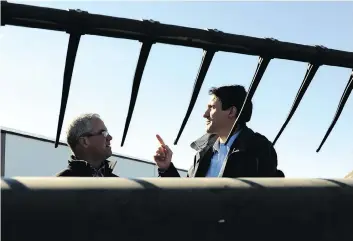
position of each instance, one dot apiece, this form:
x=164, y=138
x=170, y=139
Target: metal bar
x=72, y=48
x=205, y=64
x=144, y=53
x=309, y=76
x=74, y=209
x=100, y=25
x=2, y=151
x=341, y=105
x=260, y=70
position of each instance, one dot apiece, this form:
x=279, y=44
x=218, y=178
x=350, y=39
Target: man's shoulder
x=260, y=146
x=262, y=139
x=257, y=139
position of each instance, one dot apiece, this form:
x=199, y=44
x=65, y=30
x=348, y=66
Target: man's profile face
x=98, y=145
x=216, y=118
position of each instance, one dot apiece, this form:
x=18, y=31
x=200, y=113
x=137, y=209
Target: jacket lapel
x=203, y=161
x=204, y=146
x=238, y=145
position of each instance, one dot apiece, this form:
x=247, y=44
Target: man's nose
x=206, y=114
x=109, y=137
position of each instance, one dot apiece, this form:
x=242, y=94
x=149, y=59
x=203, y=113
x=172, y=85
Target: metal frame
x=2, y=151
x=77, y=23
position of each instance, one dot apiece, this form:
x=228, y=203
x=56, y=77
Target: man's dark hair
x=233, y=95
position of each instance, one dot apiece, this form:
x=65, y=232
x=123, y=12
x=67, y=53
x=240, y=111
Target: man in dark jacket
x=89, y=140
x=247, y=154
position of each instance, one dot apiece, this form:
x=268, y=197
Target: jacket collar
x=74, y=162
x=204, y=147
x=204, y=141
x=208, y=140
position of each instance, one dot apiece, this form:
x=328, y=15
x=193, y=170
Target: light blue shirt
x=221, y=151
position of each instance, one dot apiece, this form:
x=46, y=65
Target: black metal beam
x=260, y=70
x=100, y=25
x=341, y=105
x=205, y=64
x=76, y=28
x=144, y=53
x=91, y=209
x=74, y=41
x=309, y=76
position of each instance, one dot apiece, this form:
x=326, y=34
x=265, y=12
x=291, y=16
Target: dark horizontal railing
x=100, y=209
x=149, y=32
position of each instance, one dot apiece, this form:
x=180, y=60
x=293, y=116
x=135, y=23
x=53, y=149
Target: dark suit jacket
x=251, y=155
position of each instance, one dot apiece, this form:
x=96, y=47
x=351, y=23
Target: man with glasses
x=89, y=140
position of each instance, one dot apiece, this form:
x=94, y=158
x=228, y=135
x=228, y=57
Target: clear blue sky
x=32, y=63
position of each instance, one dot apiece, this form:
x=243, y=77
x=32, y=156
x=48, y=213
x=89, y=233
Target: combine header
x=102, y=209
x=77, y=23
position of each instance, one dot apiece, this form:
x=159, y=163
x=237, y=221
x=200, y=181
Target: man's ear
x=233, y=112
x=84, y=142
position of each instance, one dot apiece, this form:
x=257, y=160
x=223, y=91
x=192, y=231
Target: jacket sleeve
x=170, y=172
x=112, y=175
x=64, y=173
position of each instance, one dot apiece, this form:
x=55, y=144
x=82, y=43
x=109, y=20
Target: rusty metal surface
x=204, y=209
x=78, y=23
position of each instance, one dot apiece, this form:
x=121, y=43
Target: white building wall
x=29, y=155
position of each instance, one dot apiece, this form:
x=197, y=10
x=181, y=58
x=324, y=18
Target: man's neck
x=224, y=135
x=95, y=164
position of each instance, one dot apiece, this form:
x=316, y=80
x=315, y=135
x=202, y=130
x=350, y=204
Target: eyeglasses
x=102, y=132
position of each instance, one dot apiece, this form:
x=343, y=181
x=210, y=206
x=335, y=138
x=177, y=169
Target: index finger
x=160, y=140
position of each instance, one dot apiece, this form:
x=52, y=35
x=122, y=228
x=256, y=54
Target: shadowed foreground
x=68, y=209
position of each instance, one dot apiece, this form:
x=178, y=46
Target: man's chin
x=108, y=153
x=209, y=130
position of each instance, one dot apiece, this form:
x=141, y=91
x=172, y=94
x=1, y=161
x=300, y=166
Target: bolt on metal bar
x=205, y=64
x=144, y=53
x=100, y=25
x=309, y=76
x=260, y=70
x=341, y=105
x=74, y=41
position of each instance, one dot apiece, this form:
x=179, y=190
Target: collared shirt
x=220, y=153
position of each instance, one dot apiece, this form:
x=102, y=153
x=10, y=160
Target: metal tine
x=144, y=53
x=205, y=64
x=309, y=76
x=260, y=70
x=341, y=105
x=72, y=48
